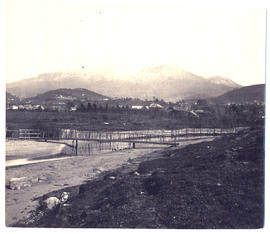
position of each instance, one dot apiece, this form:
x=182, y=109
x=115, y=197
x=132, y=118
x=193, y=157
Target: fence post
x=76, y=147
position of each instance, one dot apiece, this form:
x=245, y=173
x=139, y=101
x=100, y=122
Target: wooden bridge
x=159, y=137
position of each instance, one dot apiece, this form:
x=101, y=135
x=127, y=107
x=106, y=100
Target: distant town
x=236, y=108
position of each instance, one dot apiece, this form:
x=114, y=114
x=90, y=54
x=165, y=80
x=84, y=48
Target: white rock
x=34, y=180
x=42, y=178
x=64, y=197
x=98, y=170
x=17, y=183
x=52, y=202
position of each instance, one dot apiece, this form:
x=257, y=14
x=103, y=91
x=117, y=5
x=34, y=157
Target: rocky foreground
x=218, y=184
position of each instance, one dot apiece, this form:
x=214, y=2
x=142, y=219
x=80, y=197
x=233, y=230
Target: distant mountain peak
x=162, y=70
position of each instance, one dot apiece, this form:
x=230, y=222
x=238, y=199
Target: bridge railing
x=118, y=135
x=58, y=134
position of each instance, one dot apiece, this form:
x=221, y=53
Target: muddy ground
x=218, y=184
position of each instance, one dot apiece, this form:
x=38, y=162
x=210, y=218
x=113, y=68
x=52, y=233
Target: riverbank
x=46, y=177
x=218, y=184
x=20, y=149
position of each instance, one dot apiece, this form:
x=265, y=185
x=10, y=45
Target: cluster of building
x=25, y=107
x=194, y=108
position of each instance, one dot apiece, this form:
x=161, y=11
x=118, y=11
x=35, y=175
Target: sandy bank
x=31, y=149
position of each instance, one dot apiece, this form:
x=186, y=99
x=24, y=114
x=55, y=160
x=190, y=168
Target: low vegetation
x=123, y=118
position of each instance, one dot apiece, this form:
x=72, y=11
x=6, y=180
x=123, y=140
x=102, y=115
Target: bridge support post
x=133, y=145
x=76, y=147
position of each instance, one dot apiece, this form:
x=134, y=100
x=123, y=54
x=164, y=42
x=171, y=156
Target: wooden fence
x=57, y=134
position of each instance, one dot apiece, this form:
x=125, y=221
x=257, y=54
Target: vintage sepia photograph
x=134, y=114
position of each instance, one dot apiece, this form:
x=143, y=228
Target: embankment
x=218, y=184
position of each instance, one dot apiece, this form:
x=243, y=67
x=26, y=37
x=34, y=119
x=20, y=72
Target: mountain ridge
x=168, y=83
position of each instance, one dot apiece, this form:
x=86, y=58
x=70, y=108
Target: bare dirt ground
x=218, y=184
x=46, y=177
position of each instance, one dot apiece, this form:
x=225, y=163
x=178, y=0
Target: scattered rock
x=52, y=202
x=42, y=178
x=34, y=180
x=66, y=205
x=112, y=177
x=64, y=197
x=18, y=182
x=98, y=170
x=136, y=173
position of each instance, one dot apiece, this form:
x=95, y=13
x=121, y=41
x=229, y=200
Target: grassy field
x=127, y=119
x=93, y=121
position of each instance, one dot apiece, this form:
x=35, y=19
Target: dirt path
x=50, y=176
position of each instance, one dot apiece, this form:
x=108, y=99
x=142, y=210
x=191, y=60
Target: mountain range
x=163, y=82
x=70, y=97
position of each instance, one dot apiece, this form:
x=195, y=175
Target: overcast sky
x=66, y=35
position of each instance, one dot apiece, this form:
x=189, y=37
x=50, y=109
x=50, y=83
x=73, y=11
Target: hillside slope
x=217, y=184
x=248, y=94
x=11, y=99
x=64, y=96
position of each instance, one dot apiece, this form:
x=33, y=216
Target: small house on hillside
x=60, y=108
x=38, y=107
x=73, y=108
x=28, y=107
x=136, y=107
x=21, y=107
x=14, y=107
x=156, y=105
